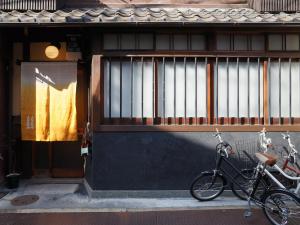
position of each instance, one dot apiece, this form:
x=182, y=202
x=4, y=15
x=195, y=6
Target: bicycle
x=287, y=181
x=280, y=206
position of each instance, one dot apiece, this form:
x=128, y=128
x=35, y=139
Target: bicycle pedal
x=247, y=213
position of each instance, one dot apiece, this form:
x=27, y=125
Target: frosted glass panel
x=240, y=42
x=275, y=42
x=115, y=89
x=198, y=42
x=141, y=80
x=110, y=41
x=169, y=83
x=292, y=42
x=148, y=89
x=180, y=42
x=137, y=89
x=275, y=83
x=223, y=42
x=241, y=98
x=127, y=41
x=126, y=89
x=163, y=42
x=258, y=43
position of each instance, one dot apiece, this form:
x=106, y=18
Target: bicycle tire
x=247, y=184
x=281, y=207
x=218, y=182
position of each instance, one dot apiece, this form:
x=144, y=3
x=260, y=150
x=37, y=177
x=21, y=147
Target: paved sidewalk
x=71, y=197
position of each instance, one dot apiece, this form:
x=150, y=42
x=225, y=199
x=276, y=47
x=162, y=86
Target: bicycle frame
x=219, y=169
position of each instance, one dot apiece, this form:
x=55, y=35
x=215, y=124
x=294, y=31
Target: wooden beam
x=96, y=90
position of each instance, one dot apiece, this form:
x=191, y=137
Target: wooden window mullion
x=210, y=93
x=266, y=94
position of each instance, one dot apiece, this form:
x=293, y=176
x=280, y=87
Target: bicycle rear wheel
x=207, y=186
x=282, y=207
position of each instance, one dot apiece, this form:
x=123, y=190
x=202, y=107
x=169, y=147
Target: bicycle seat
x=268, y=159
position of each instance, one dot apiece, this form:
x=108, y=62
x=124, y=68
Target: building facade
x=155, y=80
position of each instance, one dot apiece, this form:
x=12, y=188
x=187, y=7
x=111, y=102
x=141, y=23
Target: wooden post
x=97, y=91
x=266, y=93
x=210, y=94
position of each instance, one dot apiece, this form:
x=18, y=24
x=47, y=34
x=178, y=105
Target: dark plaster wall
x=157, y=160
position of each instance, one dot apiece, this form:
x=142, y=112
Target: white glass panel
x=233, y=94
x=162, y=42
x=180, y=89
x=285, y=79
x=110, y=41
x=253, y=92
x=292, y=42
x=285, y=92
x=148, y=89
x=295, y=89
x=190, y=89
x=258, y=43
x=137, y=89
x=127, y=41
x=115, y=89
x=180, y=42
x=275, y=42
x=240, y=42
x=223, y=42
x=222, y=89
x=274, y=89
x=145, y=41
x=201, y=89
x=169, y=89
x=126, y=89
x=243, y=89
x=198, y=42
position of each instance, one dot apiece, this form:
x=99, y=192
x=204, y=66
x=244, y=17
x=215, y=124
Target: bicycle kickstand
x=248, y=211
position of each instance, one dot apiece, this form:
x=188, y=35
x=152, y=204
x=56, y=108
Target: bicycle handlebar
x=287, y=137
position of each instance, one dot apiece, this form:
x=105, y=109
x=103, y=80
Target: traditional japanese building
x=154, y=79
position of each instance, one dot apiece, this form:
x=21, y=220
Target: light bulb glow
x=52, y=52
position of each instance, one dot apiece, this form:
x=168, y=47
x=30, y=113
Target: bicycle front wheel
x=282, y=207
x=207, y=186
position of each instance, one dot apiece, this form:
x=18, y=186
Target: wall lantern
x=52, y=50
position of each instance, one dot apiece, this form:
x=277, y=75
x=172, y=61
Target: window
x=177, y=42
x=238, y=88
x=200, y=90
x=173, y=87
x=283, y=42
x=284, y=78
x=240, y=42
x=128, y=41
x=180, y=42
x=129, y=88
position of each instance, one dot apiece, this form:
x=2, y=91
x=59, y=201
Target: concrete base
x=135, y=193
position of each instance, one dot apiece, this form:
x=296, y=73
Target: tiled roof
x=149, y=15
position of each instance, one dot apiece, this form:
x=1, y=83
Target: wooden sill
x=195, y=128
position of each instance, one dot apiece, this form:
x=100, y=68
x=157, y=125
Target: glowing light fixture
x=52, y=50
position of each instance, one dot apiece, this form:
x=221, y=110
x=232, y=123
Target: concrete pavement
x=71, y=197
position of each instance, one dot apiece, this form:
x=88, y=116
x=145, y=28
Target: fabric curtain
x=48, y=101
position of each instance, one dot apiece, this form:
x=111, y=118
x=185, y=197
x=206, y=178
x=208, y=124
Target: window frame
x=148, y=125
